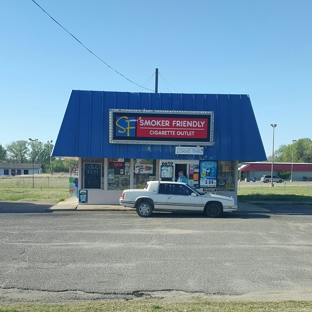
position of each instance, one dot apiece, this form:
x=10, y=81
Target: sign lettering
x=156, y=127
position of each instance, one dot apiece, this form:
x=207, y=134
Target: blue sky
x=258, y=47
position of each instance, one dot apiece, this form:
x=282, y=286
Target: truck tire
x=144, y=209
x=213, y=210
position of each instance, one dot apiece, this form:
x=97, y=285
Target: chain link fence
x=36, y=181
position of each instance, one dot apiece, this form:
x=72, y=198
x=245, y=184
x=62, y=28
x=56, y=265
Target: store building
x=124, y=139
x=294, y=171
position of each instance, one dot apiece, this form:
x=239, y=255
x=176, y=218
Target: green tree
x=35, y=150
x=2, y=154
x=62, y=164
x=298, y=152
x=17, y=151
x=303, y=150
x=45, y=157
x=40, y=153
x=282, y=154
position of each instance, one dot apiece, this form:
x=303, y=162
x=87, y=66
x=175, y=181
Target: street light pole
x=50, y=152
x=273, y=126
x=33, y=179
x=292, y=160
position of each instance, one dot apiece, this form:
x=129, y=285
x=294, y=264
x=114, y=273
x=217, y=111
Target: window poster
x=208, y=173
x=92, y=175
x=167, y=172
x=73, y=173
x=144, y=166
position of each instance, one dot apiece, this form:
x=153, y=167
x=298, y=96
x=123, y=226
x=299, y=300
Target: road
x=88, y=255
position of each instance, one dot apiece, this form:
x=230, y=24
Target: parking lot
x=57, y=256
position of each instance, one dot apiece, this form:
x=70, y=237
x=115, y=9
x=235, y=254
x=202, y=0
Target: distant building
x=13, y=169
x=300, y=171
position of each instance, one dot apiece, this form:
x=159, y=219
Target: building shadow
x=289, y=209
x=24, y=207
x=200, y=215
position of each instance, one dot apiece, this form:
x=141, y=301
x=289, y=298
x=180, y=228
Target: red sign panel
x=161, y=127
x=177, y=127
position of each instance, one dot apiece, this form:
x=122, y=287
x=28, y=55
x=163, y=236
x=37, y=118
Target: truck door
x=179, y=198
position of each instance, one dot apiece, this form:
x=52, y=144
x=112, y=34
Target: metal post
x=273, y=126
x=50, y=152
x=33, y=180
x=292, y=160
x=156, y=81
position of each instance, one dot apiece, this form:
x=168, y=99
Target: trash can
x=83, y=196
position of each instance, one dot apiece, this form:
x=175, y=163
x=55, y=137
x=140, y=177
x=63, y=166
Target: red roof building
x=299, y=171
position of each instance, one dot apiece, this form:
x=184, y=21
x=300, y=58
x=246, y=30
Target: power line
x=148, y=80
x=165, y=80
x=88, y=48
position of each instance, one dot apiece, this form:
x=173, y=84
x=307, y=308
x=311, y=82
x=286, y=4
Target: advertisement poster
x=208, y=173
x=166, y=172
x=144, y=166
x=73, y=173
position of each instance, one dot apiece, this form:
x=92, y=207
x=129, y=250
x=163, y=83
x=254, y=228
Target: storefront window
x=225, y=176
x=118, y=173
x=92, y=176
x=193, y=175
x=92, y=173
x=144, y=170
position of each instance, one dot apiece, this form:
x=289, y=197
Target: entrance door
x=178, y=168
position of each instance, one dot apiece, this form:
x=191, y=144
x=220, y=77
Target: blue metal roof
x=85, y=128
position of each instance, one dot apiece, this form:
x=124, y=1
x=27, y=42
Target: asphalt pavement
x=70, y=255
x=71, y=203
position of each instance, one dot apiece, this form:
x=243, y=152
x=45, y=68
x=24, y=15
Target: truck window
x=162, y=188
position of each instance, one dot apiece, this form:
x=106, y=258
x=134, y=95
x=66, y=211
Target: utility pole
x=33, y=176
x=292, y=160
x=156, y=81
x=49, y=142
x=273, y=126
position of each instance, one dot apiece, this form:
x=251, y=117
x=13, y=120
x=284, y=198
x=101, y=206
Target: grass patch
x=51, y=195
x=162, y=306
x=286, y=193
x=55, y=188
x=40, y=187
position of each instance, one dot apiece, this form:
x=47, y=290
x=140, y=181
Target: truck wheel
x=213, y=210
x=144, y=209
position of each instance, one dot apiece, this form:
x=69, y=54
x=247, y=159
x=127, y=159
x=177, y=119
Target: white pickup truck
x=175, y=196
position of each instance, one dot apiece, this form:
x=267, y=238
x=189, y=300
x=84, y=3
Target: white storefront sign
x=189, y=150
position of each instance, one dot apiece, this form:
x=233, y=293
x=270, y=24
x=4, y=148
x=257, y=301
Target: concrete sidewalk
x=71, y=203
